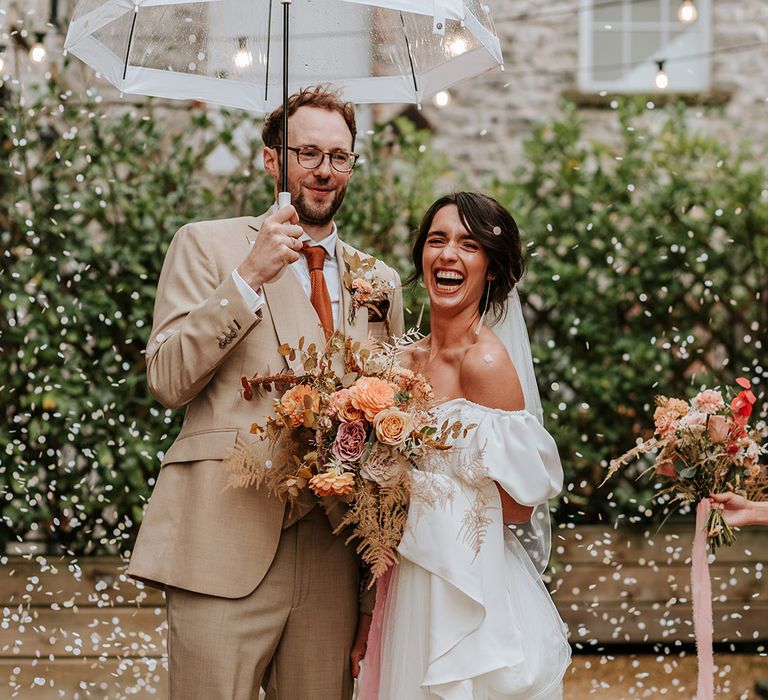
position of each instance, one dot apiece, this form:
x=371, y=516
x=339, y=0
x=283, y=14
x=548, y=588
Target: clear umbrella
x=234, y=53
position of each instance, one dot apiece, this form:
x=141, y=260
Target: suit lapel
x=357, y=329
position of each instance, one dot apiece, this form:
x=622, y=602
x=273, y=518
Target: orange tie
x=319, y=295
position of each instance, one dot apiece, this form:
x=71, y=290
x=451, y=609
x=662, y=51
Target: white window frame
x=685, y=74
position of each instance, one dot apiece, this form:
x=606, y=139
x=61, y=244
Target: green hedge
x=617, y=282
x=89, y=201
x=648, y=273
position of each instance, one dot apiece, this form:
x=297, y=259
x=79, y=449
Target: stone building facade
x=487, y=119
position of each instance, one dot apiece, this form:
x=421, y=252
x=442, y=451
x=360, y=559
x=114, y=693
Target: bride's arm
x=488, y=378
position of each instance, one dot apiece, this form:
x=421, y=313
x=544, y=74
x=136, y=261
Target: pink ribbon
x=701, y=588
x=369, y=684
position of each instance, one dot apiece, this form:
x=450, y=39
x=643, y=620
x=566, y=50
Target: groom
x=257, y=594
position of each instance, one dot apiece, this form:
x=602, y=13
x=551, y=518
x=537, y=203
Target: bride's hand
x=511, y=510
x=360, y=645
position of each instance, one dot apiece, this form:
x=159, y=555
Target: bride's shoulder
x=412, y=356
x=488, y=376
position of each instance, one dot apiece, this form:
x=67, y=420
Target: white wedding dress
x=466, y=624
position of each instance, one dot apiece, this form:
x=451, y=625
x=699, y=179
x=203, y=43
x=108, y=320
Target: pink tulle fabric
x=701, y=588
x=370, y=682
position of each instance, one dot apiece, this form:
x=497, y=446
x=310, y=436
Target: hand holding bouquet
x=355, y=434
x=704, y=446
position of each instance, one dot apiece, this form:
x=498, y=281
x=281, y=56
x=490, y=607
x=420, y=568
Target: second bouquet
x=353, y=426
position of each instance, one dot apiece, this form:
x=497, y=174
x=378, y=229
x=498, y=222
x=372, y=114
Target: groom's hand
x=360, y=645
x=277, y=244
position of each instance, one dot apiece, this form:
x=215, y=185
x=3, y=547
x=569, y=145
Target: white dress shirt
x=300, y=268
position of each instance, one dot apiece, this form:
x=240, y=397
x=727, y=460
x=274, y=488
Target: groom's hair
x=493, y=227
x=319, y=96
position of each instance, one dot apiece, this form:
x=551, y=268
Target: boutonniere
x=365, y=287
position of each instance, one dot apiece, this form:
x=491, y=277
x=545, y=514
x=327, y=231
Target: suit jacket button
x=224, y=302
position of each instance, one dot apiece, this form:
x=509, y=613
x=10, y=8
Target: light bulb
x=243, y=57
x=38, y=53
x=457, y=47
x=687, y=12
x=662, y=81
x=441, y=99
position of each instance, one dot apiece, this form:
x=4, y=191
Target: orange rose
x=295, y=402
x=332, y=482
x=667, y=414
x=392, y=426
x=341, y=405
x=372, y=395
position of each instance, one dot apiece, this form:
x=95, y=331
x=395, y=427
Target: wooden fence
x=81, y=629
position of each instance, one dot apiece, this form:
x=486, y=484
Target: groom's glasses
x=311, y=158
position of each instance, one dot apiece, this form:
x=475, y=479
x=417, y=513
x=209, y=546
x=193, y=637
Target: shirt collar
x=329, y=242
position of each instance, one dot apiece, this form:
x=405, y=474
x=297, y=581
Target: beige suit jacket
x=196, y=535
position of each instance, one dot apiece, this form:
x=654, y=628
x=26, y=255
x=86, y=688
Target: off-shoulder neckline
x=489, y=409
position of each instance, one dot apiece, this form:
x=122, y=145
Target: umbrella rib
x=410, y=56
x=130, y=39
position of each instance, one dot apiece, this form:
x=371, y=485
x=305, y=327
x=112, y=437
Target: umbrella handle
x=283, y=199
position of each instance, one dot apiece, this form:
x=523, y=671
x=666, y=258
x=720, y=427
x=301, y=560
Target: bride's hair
x=493, y=227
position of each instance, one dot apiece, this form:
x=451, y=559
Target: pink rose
x=363, y=288
x=695, y=422
x=717, y=428
x=350, y=441
x=384, y=466
x=708, y=401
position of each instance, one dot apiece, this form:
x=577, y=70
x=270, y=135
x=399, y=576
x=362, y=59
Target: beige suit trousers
x=302, y=616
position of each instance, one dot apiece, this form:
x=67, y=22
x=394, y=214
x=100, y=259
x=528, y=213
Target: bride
x=462, y=619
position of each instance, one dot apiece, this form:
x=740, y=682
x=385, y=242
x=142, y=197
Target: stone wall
x=488, y=118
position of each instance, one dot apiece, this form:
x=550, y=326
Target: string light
x=687, y=12
x=243, y=57
x=457, y=47
x=38, y=53
x=442, y=98
x=661, y=77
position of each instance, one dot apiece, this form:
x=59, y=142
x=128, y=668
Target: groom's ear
x=271, y=161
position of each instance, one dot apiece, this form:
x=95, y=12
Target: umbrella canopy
x=229, y=52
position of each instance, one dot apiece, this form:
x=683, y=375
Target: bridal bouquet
x=703, y=446
x=356, y=435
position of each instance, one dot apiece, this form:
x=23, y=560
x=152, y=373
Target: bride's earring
x=418, y=321
x=485, y=310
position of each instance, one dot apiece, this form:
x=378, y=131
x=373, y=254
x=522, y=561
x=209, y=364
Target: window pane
x=606, y=50
x=646, y=11
x=608, y=13
x=643, y=45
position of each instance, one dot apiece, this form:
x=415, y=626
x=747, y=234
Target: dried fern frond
x=377, y=518
x=471, y=470
x=243, y=467
x=756, y=487
x=633, y=454
x=474, y=526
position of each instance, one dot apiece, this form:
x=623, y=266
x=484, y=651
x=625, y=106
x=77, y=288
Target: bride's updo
x=493, y=227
